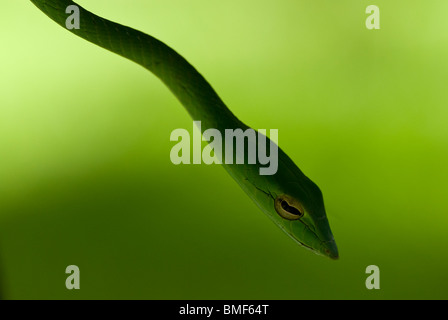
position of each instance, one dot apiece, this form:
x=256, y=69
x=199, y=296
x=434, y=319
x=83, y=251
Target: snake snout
x=330, y=249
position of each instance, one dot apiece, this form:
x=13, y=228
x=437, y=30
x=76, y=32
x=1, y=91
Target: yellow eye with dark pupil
x=288, y=207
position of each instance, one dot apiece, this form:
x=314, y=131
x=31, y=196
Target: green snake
x=288, y=197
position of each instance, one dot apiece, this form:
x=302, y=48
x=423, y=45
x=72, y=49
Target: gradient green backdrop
x=86, y=177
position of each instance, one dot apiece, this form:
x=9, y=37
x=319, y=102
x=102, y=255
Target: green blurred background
x=86, y=177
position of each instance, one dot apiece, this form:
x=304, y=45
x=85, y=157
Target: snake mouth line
x=305, y=246
x=325, y=251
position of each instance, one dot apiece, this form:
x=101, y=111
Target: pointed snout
x=329, y=249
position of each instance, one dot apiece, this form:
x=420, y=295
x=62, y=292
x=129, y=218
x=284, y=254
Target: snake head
x=296, y=205
x=304, y=219
x=300, y=212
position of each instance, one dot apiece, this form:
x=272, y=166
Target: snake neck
x=185, y=82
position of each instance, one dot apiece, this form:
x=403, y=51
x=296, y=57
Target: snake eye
x=288, y=208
